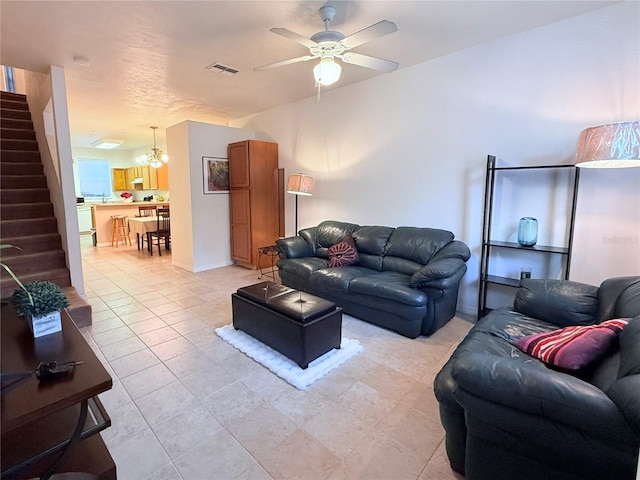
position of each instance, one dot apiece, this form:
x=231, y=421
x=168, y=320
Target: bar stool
x=119, y=230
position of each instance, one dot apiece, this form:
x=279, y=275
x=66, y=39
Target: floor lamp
x=297, y=185
x=614, y=145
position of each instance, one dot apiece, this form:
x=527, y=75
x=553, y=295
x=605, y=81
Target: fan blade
x=285, y=62
x=369, y=62
x=307, y=42
x=384, y=27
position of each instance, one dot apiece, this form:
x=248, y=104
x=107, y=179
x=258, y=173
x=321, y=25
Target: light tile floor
x=186, y=405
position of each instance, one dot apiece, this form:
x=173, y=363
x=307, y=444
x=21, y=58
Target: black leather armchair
x=507, y=415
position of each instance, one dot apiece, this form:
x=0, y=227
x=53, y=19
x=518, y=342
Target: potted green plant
x=40, y=302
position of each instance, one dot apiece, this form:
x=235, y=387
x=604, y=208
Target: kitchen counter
x=102, y=212
x=127, y=204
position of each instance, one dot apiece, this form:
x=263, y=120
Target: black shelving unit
x=489, y=244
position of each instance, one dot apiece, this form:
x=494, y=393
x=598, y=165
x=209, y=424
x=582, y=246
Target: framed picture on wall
x=215, y=175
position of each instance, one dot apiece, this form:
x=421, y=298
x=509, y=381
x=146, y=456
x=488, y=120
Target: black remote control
x=52, y=370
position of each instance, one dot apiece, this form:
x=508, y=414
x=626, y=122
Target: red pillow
x=572, y=348
x=343, y=253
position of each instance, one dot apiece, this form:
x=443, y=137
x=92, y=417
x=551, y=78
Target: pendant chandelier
x=155, y=157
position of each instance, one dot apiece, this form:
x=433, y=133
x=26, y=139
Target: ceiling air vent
x=220, y=68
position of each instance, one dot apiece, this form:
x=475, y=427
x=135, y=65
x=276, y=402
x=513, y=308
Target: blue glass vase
x=528, y=231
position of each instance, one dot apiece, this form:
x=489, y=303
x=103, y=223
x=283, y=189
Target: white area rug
x=282, y=366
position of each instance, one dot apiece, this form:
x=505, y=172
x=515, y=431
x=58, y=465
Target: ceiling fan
x=328, y=45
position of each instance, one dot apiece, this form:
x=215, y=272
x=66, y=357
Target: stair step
x=29, y=263
x=17, y=123
x=26, y=217
x=59, y=276
x=19, y=156
x=17, y=133
x=19, y=182
x=34, y=195
x=22, y=168
x=14, y=104
x=25, y=145
x=17, y=211
x=79, y=310
x=36, y=226
x=13, y=113
x=30, y=244
x=16, y=97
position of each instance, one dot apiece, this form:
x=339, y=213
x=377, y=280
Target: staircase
x=26, y=212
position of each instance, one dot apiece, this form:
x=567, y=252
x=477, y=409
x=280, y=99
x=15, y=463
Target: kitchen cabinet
x=163, y=177
x=145, y=172
x=491, y=244
x=253, y=199
x=149, y=178
x=119, y=176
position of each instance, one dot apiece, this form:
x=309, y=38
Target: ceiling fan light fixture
x=327, y=71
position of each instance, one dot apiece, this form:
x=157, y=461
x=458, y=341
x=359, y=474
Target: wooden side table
x=271, y=252
x=50, y=427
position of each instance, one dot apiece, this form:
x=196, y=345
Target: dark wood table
x=50, y=426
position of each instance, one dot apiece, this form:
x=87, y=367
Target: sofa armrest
x=559, y=302
x=293, y=247
x=544, y=393
x=619, y=297
x=435, y=273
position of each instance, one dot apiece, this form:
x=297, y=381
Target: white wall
x=199, y=223
x=409, y=148
x=47, y=97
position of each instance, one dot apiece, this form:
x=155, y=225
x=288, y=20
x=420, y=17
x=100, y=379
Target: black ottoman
x=299, y=325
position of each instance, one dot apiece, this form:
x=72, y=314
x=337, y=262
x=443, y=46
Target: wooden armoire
x=253, y=200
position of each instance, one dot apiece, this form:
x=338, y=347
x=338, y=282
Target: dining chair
x=163, y=231
x=147, y=211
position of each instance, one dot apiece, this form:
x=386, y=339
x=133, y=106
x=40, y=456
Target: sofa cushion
x=574, y=347
x=343, y=253
x=309, y=234
x=630, y=349
x=370, y=242
x=390, y=285
x=337, y=279
x=417, y=244
x=331, y=232
x=302, y=267
x=558, y=302
x=372, y=239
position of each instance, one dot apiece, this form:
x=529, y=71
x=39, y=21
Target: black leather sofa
x=406, y=278
x=508, y=415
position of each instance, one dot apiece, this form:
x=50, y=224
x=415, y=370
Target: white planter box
x=45, y=325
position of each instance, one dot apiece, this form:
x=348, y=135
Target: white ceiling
x=148, y=58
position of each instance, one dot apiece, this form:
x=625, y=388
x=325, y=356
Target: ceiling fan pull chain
x=318, y=94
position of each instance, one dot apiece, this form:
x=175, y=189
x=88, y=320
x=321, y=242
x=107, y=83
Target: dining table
x=142, y=226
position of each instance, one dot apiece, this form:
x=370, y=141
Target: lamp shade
x=614, y=145
x=300, y=184
x=327, y=72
